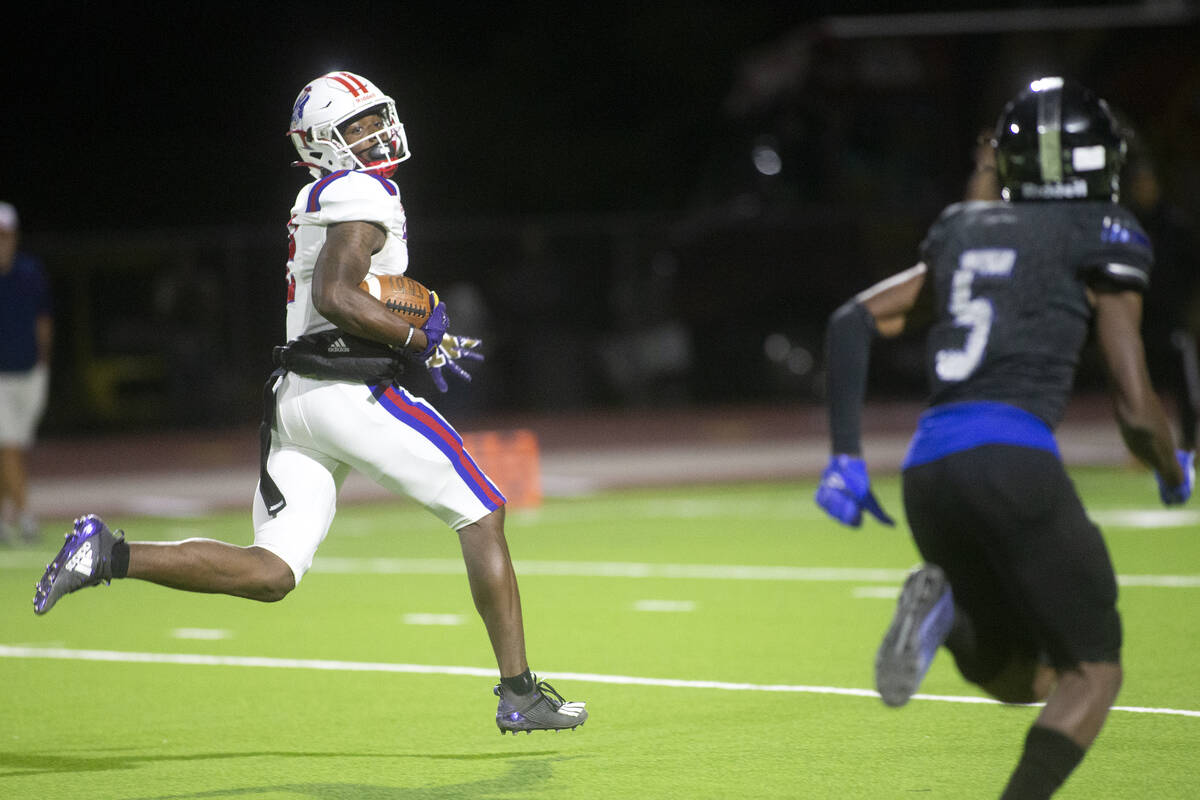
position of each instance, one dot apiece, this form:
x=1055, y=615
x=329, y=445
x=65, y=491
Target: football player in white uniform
x=334, y=406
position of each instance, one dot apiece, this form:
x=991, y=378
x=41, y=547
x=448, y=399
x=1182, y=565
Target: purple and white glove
x=435, y=327
x=1177, y=495
x=845, y=492
x=447, y=354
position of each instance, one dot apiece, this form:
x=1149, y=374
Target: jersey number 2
x=973, y=313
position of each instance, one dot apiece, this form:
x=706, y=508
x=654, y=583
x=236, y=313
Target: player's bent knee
x=1021, y=695
x=486, y=528
x=1100, y=678
x=274, y=579
x=273, y=591
x=493, y=522
x=1021, y=681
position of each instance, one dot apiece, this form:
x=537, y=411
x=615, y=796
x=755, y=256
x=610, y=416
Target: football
x=402, y=295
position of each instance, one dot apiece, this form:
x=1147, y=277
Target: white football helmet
x=327, y=103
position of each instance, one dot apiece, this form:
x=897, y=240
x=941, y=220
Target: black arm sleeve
x=848, y=340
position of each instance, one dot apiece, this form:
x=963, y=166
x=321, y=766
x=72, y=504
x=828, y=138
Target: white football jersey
x=343, y=196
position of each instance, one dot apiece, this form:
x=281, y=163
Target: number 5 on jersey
x=973, y=313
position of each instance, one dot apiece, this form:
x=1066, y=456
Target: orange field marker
x=512, y=460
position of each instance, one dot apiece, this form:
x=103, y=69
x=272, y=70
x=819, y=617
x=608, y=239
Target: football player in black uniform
x=1017, y=581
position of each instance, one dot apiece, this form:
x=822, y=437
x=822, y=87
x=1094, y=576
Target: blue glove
x=435, y=326
x=845, y=492
x=1177, y=495
x=447, y=355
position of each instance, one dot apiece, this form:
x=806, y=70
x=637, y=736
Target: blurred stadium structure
x=831, y=154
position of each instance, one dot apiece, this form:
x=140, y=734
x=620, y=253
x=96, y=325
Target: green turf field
x=722, y=636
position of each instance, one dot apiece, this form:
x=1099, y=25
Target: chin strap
x=316, y=169
x=271, y=496
x=386, y=171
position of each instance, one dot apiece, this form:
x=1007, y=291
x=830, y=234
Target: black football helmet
x=1058, y=141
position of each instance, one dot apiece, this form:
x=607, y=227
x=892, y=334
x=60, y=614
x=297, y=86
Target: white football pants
x=326, y=428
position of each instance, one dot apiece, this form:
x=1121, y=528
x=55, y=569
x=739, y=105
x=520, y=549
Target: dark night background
x=582, y=189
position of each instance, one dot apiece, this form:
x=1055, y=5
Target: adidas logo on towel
x=338, y=345
x=81, y=561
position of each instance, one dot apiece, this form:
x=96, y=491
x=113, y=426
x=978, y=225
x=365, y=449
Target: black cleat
x=543, y=709
x=924, y=614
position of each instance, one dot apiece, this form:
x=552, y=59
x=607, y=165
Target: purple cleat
x=924, y=614
x=543, y=709
x=85, y=560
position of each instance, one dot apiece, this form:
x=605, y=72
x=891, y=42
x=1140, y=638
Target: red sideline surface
x=186, y=472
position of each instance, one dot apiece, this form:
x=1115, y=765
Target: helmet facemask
x=387, y=146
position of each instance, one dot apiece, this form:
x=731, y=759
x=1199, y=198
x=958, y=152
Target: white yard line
x=634, y=569
x=627, y=569
x=611, y=569
x=208, y=634
x=195, y=659
x=1146, y=518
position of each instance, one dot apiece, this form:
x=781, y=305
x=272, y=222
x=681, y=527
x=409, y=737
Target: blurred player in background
x=983, y=183
x=1017, y=581
x=334, y=405
x=26, y=341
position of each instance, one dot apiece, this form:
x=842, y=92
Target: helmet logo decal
x=1074, y=189
x=301, y=102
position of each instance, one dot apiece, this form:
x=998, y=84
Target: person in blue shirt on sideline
x=26, y=337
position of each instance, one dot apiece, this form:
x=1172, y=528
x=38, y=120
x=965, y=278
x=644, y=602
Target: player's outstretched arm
x=845, y=489
x=1140, y=415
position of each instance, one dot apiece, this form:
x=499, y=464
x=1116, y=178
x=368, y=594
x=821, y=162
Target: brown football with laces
x=402, y=295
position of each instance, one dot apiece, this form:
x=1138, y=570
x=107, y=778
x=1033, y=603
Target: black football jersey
x=1011, y=312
